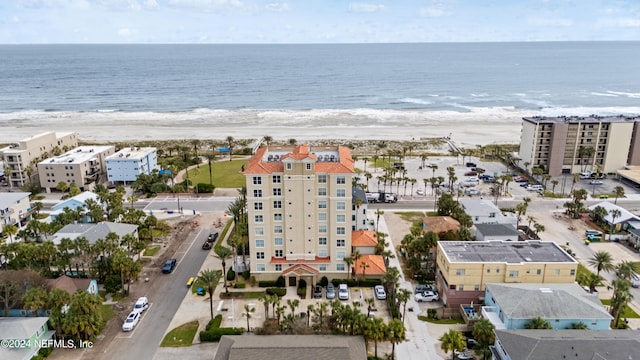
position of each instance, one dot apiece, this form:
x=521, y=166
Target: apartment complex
x=15, y=209
x=128, y=163
x=465, y=267
x=299, y=202
x=20, y=159
x=84, y=165
x=572, y=144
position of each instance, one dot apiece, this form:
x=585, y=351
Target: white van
x=585, y=175
x=635, y=280
x=534, y=187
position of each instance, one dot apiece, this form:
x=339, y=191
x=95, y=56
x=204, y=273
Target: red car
x=470, y=173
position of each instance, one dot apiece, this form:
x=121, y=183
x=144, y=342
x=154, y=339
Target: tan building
x=15, y=209
x=299, y=202
x=21, y=158
x=84, y=165
x=465, y=267
x=566, y=145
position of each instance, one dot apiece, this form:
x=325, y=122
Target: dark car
x=470, y=164
x=213, y=236
x=470, y=173
x=169, y=266
x=207, y=245
x=317, y=291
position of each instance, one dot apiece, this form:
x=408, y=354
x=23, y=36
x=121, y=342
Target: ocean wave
x=414, y=101
x=623, y=93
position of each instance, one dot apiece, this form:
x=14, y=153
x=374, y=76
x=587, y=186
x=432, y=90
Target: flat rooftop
x=129, y=153
x=577, y=119
x=512, y=252
x=77, y=155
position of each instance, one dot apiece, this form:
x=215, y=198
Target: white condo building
x=128, y=163
x=84, y=165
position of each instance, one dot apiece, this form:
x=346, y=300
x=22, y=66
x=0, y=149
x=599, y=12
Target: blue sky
x=315, y=21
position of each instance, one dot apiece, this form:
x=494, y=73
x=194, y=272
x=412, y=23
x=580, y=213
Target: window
x=322, y=204
x=322, y=179
x=460, y=272
x=340, y=218
x=322, y=267
x=277, y=204
x=322, y=241
x=309, y=166
x=514, y=273
x=497, y=271
x=557, y=272
x=488, y=271
x=279, y=253
x=288, y=166
x=277, y=229
x=277, y=192
x=476, y=218
x=259, y=231
x=258, y=218
x=322, y=216
x=257, y=193
x=260, y=267
x=476, y=287
x=340, y=230
x=341, y=193
x=539, y=272
x=278, y=241
x=460, y=287
x=340, y=180
x=260, y=255
x=277, y=179
x=278, y=267
x=492, y=215
x=572, y=272
x=341, y=205
x=339, y=267
x=340, y=243
x=322, y=229
x=322, y=191
x=340, y=255
x=323, y=253
x=277, y=217
x=257, y=206
x=257, y=180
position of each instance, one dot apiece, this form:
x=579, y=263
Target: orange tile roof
x=440, y=224
x=301, y=152
x=364, y=238
x=300, y=269
x=375, y=262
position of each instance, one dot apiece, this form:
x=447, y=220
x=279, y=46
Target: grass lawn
x=198, y=283
x=107, y=312
x=442, y=321
x=226, y=174
x=412, y=216
x=181, y=336
x=627, y=313
x=242, y=295
x=582, y=271
x=151, y=250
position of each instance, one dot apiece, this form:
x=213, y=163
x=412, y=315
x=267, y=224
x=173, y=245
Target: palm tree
x=57, y=301
x=379, y=213
x=11, y=230
x=483, y=333
x=248, y=310
x=591, y=280
x=403, y=297
x=35, y=299
x=396, y=334
x=619, y=192
x=377, y=331
x=615, y=213
x=453, y=341
x=223, y=253
x=602, y=261
x=625, y=269
x=554, y=183
x=230, y=140
x=293, y=304
x=621, y=297
x=209, y=279
x=538, y=323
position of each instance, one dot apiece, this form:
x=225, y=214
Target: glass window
x=339, y=267
x=322, y=241
x=323, y=253
x=322, y=204
x=260, y=255
x=340, y=180
x=308, y=166
x=278, y=267
x=277, y=179
x=277, y=192
x=322, y=216
x=259, y=243
x=557, y=271
x=322, y=267
x=322, y=191
x=340, y=255
x=340, y=242
x=259, y=218
x=514, y=273
x=340, y=218
x=572, y=272
x=322, y=179
x=260, y=267
x=277, y=217
x=288, y=166
x=341, y=193
x=277, y=204
x=538, y=271
x=259, y=231
x=257, y=193
x=340, y=230
x=257, y=180
x=277, y=229
x=460, y=287
x=279, y=253
x=460, y=272
x=341, y=205
x=322, y=229
x=257, y=206
x=278, y=241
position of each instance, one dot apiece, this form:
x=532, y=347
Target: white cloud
x=628, y=23
x=432, y=11
x=150, y=4
x=550, y=22
x=206, y=5
x=278, y=7
x=15, y=19
x=127, y=32
x=363, y=7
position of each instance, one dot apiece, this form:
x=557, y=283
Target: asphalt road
x=202, y=204
x=165, y=296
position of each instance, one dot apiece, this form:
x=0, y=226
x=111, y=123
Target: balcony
x=491, y=313
x=6, y=213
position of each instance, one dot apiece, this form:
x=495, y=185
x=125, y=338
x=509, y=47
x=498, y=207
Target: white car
x=141, y=305
x=427, y=296
x=343, y=292
x=131, y=322
x=420, y=192
x=595, y=182
x=380, y=293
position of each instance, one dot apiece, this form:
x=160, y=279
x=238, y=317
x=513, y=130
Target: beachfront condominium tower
x=299, y=204
x=573, y=144
x=84, y=166
x=20, y=159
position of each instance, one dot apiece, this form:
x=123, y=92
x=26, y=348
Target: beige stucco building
x=465, y=267
x=15, y=209
x=299, y=202
x=21, y=158
x=84, y=165
x=556, y=142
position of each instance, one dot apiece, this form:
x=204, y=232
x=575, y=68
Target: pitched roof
x=364, y=238
x=9, y=199
x=68, y=284
x=300, y=269
x=375, y=262
x=624, y=214
x=440, y=224
x=299, y=347
x=93, y=232
x=20, y=327
x=548, y=301
x=81, y=198
x=569, y=344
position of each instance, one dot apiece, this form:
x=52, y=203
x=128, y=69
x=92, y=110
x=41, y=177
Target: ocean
x=315, y=86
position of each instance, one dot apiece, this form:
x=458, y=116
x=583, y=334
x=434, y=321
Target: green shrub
x=393, y=310
x=370, y=282
x=324, y=281
x=281, y=282
x=302, y=292
x=431, y=313
x=302, y=283
x=231, y=275
x=240, y=285
x=214, y=334
x=267, y=283
x=214, y=323
x=112, y=284
x=277, y=291
x=204, y=188
x=45, y=352
x=246, y=275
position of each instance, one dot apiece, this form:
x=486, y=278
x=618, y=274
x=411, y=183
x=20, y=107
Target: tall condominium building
x=299, y=203
x=84, y=166
x=20, y=159
x=571, y=144
x=128, y=163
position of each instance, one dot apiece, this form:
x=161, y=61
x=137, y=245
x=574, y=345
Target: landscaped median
x=181, y=336
x=213, y=332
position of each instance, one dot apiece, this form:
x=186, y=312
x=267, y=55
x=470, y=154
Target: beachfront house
x=483, y=211
x=75, y=202
x=620, y=222
x=93, y=232
x=127, y=164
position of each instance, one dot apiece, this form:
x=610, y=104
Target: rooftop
x=78, y=155
x=93, y=232
x=131, y=153
x=478, y=207
x=9, y=199
x=497, y=230
x=576, y=119
x=512, y=252
x=440, y=224
x=364, y=238
x=327, y=159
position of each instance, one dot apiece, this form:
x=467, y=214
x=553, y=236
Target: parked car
x=420, y=288
x=207, y=245
x=317, y=292
x=169, y=266
x=427, y=296
x=141, y=305
x=380, y=293
x=520, y=179
x=595, y=182
x=213, y=236
x=420, y=192
x=470, y=164
x=534, y=187
x=331, y=292
x=477, y=169
x=343, y=292
x=131, y=321
x=470, y=173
